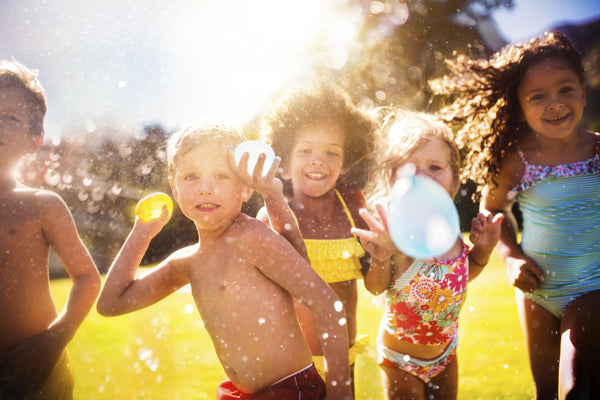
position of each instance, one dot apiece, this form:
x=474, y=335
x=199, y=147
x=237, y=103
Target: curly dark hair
x=484, y=103
x=322, y=101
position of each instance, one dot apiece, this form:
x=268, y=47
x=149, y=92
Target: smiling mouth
x=315, y=176
x=559, y=118
x=207, y=206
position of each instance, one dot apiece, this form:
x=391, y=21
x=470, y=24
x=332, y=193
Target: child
x=533, y=152
x=242, y=275
x=418, y=334
x=33, y=336
x=323, y=139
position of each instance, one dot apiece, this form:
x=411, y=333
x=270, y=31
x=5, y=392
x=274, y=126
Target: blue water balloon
x=423, y=221
x=254, y=148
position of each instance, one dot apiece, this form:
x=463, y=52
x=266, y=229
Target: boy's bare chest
x=18, y=225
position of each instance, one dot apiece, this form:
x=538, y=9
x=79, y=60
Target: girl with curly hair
x=323, y=140
x=519, y=114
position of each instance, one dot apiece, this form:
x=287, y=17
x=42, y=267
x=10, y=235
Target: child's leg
x=579, y=373
x=445, y=385
x=541, y=330
x=398, y=385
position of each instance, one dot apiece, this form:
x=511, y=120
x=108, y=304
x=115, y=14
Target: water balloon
x=254, y=148
x=150, y=207
x=423, y=221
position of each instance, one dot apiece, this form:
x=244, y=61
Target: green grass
x=163, y=352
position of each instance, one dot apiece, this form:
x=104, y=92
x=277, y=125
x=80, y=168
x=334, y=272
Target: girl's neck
x=322, y=205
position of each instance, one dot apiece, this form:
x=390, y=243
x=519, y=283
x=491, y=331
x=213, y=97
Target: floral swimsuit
x=423, y=305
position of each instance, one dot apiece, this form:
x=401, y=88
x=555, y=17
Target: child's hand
x=267, y=185
x=523, y=273
x=152, y=227
x=485, y=229
x=376, y=240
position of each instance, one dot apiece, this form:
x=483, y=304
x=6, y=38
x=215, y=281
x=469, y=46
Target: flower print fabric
x=424, y=303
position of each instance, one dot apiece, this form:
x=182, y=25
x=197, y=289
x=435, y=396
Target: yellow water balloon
x=150, y=207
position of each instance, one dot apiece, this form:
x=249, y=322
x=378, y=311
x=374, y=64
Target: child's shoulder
x=247, y=227
x=34, y=197
x=352, y=195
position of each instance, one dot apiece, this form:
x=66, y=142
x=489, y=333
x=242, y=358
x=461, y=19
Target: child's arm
x=281, y=263
x=276, y=213
x=37, y=355
x=485, y=231
x=123, y=292
x=378, y=243
x=523, y=272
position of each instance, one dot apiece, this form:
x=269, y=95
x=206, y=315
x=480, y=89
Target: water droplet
x=261, y=321
x=342, y=321
x=338, y=306
x=189, y=308
x=52, y=177
x=325, y=335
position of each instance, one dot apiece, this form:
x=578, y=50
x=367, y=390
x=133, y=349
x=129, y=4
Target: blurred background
x=120, y=77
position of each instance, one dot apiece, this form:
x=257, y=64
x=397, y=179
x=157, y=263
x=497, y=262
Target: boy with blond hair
x=243, y=276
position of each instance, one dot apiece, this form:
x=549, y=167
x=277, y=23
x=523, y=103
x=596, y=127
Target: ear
x=174, y=188
x=36, y=143
x=285, y=175
x=247, y=192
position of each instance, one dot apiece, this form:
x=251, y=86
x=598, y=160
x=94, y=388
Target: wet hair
x=187, y=139
x=15, y=75
x=401, y=134
x=309, y=104
x=484, y=100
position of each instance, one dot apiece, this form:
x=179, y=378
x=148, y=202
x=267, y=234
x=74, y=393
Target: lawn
x=163, y=352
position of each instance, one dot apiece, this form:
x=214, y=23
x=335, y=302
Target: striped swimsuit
x=561, y=228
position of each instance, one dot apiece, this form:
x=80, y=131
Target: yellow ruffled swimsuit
x=336, y=260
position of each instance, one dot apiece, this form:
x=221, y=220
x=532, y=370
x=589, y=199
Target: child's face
x=552, y=99
x=317, y=158
x=433, y=160
x=15, y=138
x=207, y=191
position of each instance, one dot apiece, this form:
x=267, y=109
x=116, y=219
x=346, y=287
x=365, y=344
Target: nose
x=205, y=186
x=555, y=102
x=422, y=171
x=317, y=158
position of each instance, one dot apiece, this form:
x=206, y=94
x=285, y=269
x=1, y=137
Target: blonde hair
x=402, y=133
x=15, y=75
x=185, y=140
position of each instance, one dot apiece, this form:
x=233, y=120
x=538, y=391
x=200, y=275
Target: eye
x=190, y=177
x=567, y=90
x=11, y=118
x=435, y=168
x=222, y=176
x=333, y=153
x=304, y=150
x=536, y=97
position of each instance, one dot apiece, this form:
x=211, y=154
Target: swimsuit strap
x=596, y=152
x=346, y=210
x=348, y=214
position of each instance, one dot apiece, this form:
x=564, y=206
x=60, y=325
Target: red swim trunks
x=304, y=385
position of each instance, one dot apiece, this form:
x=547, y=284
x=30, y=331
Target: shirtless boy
x=243, y=277
x=33, y=335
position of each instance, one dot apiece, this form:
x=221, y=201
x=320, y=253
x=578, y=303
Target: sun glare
x=241, y=53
